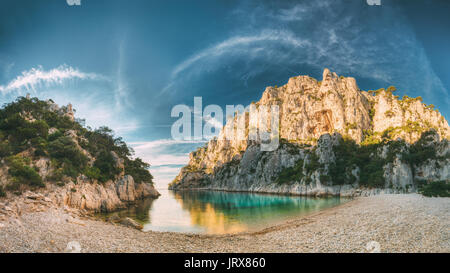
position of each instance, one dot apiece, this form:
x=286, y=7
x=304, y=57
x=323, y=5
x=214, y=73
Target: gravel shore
x=397, y=223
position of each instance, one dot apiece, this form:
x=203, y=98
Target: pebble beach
x=381, y=223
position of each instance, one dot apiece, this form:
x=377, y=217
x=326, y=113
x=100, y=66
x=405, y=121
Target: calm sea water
x=214, y=212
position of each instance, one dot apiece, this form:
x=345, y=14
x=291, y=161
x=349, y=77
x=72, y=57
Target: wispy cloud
x=248, y=45
x=88, y=92
x=37, y=77
x=336, y=34
x=166, y=156
x=234, y=43
x=122, y=92
x=269, y=45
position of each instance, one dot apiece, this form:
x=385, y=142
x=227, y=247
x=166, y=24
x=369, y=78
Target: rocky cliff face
x=91, y=195
x=81, y=198
x=320, y=124
x=109, y=196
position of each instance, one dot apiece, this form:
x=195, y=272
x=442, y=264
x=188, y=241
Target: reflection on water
x=214, y=212
x=139, y=211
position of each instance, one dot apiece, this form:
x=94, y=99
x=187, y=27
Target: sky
x=125, y=64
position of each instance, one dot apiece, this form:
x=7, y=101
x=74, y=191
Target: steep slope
x=335, y=139
x=44, y=148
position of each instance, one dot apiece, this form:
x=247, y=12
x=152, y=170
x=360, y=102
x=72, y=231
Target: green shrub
x=395, y=147
x=389, y=114
x=325, y=179
x=138, y=169
x=391, y=89
x=349, y=155
x=69, y=170
x=55, y=135
x=5, y=148
x=291, y=174
x=420, y=151
x=436, y=189
x=64, y=149
x=2, y=192
x=92, y=172
x=40, y=145
x=340, y=169
x=313, y=163
x=23, y=174
x=350, y=126
x=57, y=175
x=106, y=164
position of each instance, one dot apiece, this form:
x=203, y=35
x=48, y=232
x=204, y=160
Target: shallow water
x=215, y=212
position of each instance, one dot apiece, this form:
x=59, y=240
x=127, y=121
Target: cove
x=217, y=212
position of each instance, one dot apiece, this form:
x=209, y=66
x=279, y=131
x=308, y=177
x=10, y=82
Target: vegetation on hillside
x=366, y=158
x=31, y=129
x=291, y=174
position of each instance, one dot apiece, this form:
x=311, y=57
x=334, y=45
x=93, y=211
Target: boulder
x=144, y=190
x=128, y=222
x=126, y=189
x=33, y=196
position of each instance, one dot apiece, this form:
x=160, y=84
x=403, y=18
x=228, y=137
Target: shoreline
x=400, y=223
x=343, y=192
x=293, y=194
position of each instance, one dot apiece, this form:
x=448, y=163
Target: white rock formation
x=309, y=111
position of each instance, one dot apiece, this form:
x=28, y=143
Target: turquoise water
x=214, y=212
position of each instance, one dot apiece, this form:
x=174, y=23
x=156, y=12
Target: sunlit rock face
x=319, y=113
x=108, y=196
x=311, y=108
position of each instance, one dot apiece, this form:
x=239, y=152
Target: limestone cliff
x=321, y=122
x=109, y=196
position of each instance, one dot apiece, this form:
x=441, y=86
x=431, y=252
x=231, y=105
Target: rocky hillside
x=335, y=139
x=44, y=149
